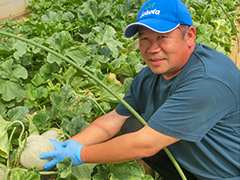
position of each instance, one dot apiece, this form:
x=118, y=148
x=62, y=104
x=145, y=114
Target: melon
x=52, y=134
x=35, y=147
x=2, y=172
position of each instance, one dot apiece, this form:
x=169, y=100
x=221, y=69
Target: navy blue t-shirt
x=201, y=106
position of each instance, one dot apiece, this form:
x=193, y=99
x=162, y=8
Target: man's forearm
x=132, y=146
x=116, y=150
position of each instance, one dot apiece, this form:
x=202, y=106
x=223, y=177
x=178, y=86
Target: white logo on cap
x=155, y=11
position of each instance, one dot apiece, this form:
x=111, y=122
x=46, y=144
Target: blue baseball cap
x=161, y=16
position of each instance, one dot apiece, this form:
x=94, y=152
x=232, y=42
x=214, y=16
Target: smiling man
x=166, y=53
x=189, y=95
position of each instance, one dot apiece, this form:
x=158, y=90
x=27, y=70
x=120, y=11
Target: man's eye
x=144, y=38
x=161, y=37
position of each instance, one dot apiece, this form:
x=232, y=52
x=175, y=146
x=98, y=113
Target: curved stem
x=234, y=28
x=43, y=172
x=175, y=164
x=48, y=172
x=93, y=77
x=91, y=97
x=19, y=139
x=22, y=146
x=98, y=105
x=9, y=144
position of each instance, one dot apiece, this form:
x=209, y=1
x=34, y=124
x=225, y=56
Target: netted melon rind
x=35, y=147
x=51, y=134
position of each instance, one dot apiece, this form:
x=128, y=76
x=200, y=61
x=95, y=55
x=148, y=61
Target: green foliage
x=40, y=91
x=213, y=27
x=19, y=174
x=127, y=170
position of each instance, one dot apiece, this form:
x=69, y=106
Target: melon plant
x=36, y=145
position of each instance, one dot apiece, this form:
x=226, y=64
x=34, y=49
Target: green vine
x=234, y=28
x=100, y=83
x=8, y=169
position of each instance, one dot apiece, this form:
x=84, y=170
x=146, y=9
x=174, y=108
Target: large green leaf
x=37, y=80
x=106, y=37
x=20, y=174
x=106, y=96
x=33, y=130
x=11, y=90
x=65, y=170
x=66, y=78
x=127, y=171
x=21, y=49
x=68, y=17
x=18, y=113
x=49, y=15
x=9, y=70
x=79, y=55
x=91, y=8
x=41, y=120
x=60, y=41
x=69, y=104
x=77, y=125
x=6, y=48
x=123, y=68
x=83, y=171
x=11, y=87
x=4, y=105
x=4, y=149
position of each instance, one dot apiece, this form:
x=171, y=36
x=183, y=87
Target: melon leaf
x=69, y=104
x=20, y=174
x=18, y=113
x=33, y=130
x=11, y=87
x=127, y=170
x=83, y=171
x=76, y=125
x=65, y=169
x=4, y=149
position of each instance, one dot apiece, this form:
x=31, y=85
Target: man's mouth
x=155, y=60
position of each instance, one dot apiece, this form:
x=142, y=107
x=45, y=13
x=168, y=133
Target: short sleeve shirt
x=200, y=106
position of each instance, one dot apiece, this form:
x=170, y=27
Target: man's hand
x=69, y=148
x=56, y=144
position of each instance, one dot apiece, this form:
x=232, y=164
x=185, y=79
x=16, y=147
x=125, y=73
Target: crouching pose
x=189, y=95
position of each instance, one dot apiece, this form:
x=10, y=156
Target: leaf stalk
x=234, y=28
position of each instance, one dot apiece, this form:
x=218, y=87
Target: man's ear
x=191, y=35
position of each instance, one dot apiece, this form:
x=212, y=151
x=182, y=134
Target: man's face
x=166, y=53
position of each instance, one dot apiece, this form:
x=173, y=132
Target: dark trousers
x=160, y=162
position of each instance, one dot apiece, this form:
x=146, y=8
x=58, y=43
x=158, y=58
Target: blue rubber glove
x=56, y=144
x=70, y=149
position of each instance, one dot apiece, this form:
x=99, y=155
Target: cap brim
x=157, y=25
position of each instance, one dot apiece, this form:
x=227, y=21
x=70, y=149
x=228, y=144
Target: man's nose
x=154, y=47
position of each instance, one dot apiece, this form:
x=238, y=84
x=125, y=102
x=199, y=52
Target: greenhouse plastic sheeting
x=12, y=8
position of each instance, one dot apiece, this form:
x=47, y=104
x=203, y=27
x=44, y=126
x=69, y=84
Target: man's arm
x=93, y=144
x=101, y=130
x=143, y=143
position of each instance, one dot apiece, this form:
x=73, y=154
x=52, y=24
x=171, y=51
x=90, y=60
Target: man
x=189, y=96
